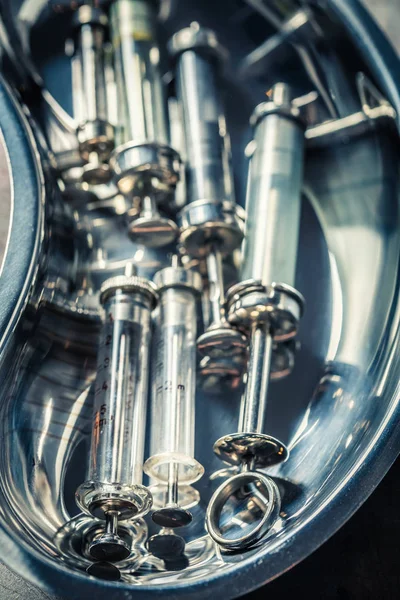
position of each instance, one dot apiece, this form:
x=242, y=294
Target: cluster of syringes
x=253, y=325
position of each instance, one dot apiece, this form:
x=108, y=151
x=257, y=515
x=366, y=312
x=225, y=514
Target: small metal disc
x=262, y=450
x=96, y=173
x=221, y=342
x=126, y=509
x=177, y=564
x=154, y=232
x=166, y=546
x=105, y=571
x=171, y=517
x=221, y=375
x=110, y=548
x=283, y=359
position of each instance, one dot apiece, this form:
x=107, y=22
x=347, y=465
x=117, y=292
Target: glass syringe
x=95, y=133
x=171, y=461
x=114, y=491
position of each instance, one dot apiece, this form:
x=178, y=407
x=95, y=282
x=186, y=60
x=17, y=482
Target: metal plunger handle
x=256, y=392
x=216, y=286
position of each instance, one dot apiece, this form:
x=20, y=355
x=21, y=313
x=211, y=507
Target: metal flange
x=135, y=163
x=204, y=223
x=278, y=304
x=130, y=285
x=199, y=39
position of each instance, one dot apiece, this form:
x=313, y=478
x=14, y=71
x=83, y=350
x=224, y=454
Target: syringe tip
x=130, y=270
x=176, y=261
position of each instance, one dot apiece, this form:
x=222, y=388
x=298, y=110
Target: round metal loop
x=269, y=496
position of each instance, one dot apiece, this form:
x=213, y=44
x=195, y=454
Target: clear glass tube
x=119, y=423
x=205, y=147
x=90, y=95
x=141, y=96
x=121, y=392
x=173, y=389
x=273, y=204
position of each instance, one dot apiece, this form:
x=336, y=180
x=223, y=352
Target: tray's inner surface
x=328, y=411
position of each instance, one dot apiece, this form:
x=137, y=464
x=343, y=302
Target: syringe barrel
x=141, y=97
x=173, y=389
x=274, y=194
x=95, y=133
x=207, y=160
x=121, y=390
x=89, y=86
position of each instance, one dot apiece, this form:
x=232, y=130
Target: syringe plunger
x=172, y=459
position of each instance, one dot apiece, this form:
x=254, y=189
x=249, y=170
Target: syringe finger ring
x=269, y=494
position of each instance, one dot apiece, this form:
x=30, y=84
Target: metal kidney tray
x=337, y=412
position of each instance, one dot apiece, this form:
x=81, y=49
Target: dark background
x=360, y=562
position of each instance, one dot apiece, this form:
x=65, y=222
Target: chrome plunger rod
x=258, y=380
x=210, y=226
x=143, y=162
x=114, y=491
x=270, y=311
x=95, y=133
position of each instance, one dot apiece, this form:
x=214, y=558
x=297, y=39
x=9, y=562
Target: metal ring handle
x=271, y=500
